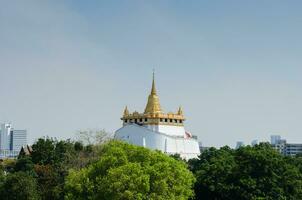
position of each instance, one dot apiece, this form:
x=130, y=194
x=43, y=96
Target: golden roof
x=153, y=105
x=153, y=114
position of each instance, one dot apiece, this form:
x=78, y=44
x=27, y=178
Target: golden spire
x=153, y=90
x=180, y=112
x=153, y=105
x=126, y=111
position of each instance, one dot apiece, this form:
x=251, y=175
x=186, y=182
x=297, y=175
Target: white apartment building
x=287, y=149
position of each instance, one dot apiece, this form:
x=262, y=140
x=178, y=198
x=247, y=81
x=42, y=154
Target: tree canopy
x=246, y=173
x=19, y=186
x=58, y=170
x=125, y=171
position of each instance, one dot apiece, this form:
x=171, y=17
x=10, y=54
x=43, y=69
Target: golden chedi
x=158, y=130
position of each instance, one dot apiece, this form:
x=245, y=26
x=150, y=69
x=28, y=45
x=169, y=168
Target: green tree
x=49, y=151
x=78, y=146
x=49, y=181
x=2, y=180
x=19, y=186
x=25, y=164
x=43, y=151
x=246, y=173
x=126, y=172
x=8, y=165
x=52, y=160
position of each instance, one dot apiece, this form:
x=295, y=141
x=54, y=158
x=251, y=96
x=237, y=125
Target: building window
x=175, y=120
x=141, y=120
x=180, y=121
x=146, y=119
x=135, y=120
x=126, y=120
x=160, y=119
x=171, y=120
x=166, y=120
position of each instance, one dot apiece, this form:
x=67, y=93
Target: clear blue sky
x=234, y=66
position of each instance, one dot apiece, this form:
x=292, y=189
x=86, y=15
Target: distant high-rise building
x=11, y=141
x=287, y=149
x=254, y=142
x=5, y=136
x=18, y=139
x=239, y=144
x=275, y=139
x=293, y=149
x=202, y=148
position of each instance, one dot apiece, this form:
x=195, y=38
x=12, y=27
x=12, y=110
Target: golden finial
x=153, y=105
x=180, y=112
x=153, y=90
x=126, y=111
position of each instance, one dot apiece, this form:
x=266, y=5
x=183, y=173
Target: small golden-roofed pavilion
x=153, y=114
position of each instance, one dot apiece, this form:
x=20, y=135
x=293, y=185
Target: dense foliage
x=247, y=173
x=129, y=172
x=70, y=170
x=58, y=170
x=19, y=186
x=42, y=174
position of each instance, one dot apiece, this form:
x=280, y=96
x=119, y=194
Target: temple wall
x=169, y=130
x=141, y=136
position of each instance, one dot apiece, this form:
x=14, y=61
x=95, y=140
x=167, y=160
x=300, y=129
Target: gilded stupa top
x=153, y=114
x=153, y=105
x=126, y=111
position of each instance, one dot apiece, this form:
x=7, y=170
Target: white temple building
x=157, y=130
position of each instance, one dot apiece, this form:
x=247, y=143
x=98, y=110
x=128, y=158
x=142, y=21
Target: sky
x=234, y=66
